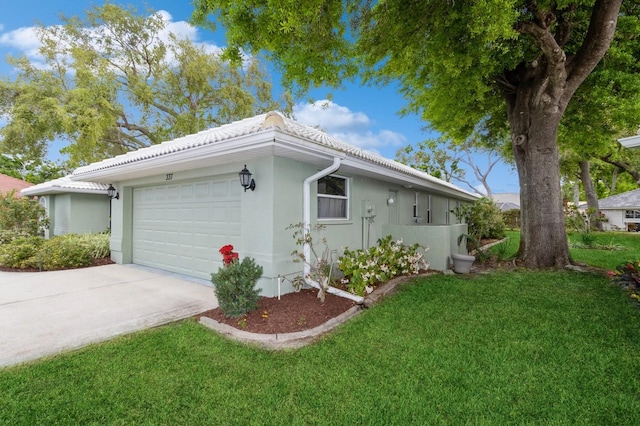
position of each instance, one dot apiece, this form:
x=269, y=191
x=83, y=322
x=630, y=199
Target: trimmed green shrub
x=60, y=252
x=22, y=252
x=64, y=252
x=234, y=286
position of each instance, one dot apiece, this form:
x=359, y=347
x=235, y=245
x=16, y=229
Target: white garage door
x=180, y=227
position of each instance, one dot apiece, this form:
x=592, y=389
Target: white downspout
x=306, y=223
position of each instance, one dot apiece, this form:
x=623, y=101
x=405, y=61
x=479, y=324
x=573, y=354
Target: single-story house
x=180, y=201
x=622, y=211
x=73, y=207
x=9, y=184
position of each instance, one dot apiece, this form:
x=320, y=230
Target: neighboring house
x=73, y=207
x=507, y=201
x=9, y=184
x=180, y=201
x=622, y=211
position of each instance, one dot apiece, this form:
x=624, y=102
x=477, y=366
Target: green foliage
x=8, y=235
x=60, y=252
x=138, y=86
x=30, y=170
x=97, y=245
x=63, y=252
x=22, y=215
x=503, y=250
x=511, y=218
x=22, y=252
x=235, y=287
x=389, y=259
x=483, y=219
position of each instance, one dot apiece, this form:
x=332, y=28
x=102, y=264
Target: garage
x=179, y=227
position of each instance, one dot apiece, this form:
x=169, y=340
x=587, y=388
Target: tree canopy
x=485, y=67
x=114, y=81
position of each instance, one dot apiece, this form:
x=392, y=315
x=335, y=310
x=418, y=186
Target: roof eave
x=630, y=142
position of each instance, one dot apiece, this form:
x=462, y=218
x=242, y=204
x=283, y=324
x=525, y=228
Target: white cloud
x=346, y=125
x=24, y=41
x=329, y=116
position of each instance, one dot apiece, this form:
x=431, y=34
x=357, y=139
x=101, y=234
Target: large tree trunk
x=534, y=127
x=590, y=192
x=537, y=94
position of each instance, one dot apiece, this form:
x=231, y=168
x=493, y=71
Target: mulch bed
x=296, y=311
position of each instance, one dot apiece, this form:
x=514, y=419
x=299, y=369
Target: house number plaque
x=169, y=176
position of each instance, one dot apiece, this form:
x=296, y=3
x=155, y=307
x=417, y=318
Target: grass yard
x=506, y=348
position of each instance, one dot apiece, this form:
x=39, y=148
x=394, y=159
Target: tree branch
x=599, y=35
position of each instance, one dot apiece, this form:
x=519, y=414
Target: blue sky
x=363, y=116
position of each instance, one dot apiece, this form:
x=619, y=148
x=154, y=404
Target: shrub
x=97, y=245
x=511, y=218
x=22, y=214
x=389, y=259
x=60, y=252
x=8, y=235
x=64, y=252
x=22, y=252
x=483, y=219
x=235, y=287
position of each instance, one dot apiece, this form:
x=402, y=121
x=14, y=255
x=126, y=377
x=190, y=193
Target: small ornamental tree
x=234, y=284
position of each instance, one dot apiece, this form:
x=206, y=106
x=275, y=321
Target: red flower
x=226, y=249
x=228, y=255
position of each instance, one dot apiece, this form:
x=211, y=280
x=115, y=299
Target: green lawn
x=525, y=347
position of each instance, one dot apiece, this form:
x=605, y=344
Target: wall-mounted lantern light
x=245, y=179
x=390, y=201
x=112, y=193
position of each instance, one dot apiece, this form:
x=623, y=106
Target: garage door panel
x=180, y=227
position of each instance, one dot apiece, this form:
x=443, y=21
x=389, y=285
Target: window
x=447, y=216
x=429, y=209
x=632, y=214
x=333, y=198
x=415, y=205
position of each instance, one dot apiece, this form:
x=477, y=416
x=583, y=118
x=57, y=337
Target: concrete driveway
x=44, y=313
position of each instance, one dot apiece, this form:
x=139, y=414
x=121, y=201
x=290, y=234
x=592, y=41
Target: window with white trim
x=632, y=214
x=333, y=197
x=429, y=219
x=416, y=210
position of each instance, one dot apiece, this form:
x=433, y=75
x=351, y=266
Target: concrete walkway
x=45, y=313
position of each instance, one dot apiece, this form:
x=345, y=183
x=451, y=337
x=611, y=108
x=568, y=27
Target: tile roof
x=250, y=126
x=65, y=184
x=624, y=200
x=8, y=184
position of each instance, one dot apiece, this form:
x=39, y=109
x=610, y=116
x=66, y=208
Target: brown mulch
x=296, y=311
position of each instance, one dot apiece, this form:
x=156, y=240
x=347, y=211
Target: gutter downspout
x=306, y=223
